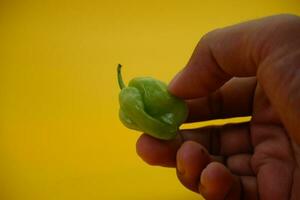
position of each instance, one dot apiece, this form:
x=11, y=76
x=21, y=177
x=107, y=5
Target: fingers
x=158, y=152
x=192, y=158
x=235, y=51
x=197, y=171
x=193, y=162
x=240, y=164
x=196, y=168
x=232, y=100
x=226, y=140
x=249, y=187
x=217, y=183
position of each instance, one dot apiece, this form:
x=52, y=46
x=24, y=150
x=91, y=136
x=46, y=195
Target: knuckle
x=207, y=36
x=289, y=16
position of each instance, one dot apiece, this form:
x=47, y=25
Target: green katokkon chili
x=147, y=106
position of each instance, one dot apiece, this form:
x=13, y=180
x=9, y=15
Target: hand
x=255, y=160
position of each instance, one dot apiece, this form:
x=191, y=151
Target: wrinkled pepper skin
x=147, y=106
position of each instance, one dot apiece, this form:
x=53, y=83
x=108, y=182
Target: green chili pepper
x=147, y=106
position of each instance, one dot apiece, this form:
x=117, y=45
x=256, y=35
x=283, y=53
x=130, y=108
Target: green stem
x=120, y=79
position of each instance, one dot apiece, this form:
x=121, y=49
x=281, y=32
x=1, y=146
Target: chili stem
x=120, y=79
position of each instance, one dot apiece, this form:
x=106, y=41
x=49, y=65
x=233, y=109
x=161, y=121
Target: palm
x=273, y=160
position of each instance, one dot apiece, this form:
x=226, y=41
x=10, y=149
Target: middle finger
x=224, y=140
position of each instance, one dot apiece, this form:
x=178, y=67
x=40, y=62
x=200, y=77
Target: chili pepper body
x=147, y=106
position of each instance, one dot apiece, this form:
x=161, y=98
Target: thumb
x=236, y=51
x=267, y=48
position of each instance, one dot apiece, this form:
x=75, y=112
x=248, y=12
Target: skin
x=259, y=159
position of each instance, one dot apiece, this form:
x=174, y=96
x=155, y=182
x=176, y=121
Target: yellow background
x=60, y=137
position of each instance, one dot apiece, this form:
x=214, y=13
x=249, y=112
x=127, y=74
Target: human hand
x=255, y=160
